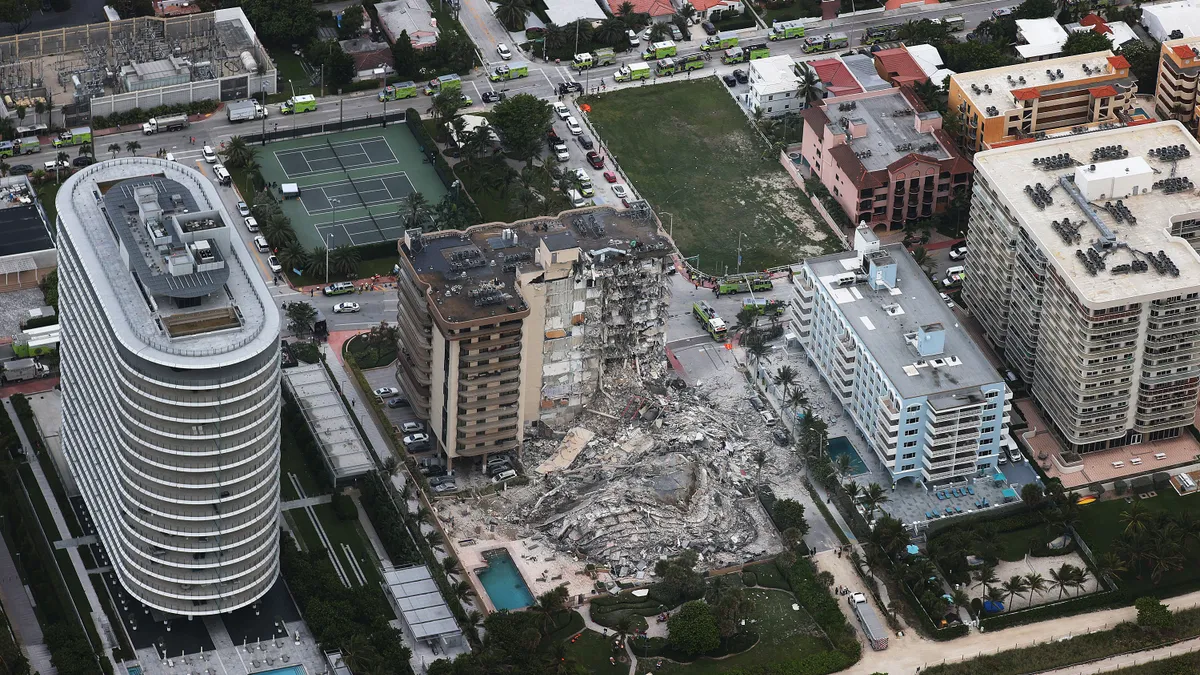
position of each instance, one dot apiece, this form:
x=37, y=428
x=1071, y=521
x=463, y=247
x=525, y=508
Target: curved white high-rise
x=170, y=381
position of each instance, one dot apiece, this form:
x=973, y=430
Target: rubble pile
x=669, y=467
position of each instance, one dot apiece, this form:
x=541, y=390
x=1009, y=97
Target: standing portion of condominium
x=503, y=326
x=918, y=389
x=1081, y=272
x=1178, y=75
x=1030, y=100
x=170, y=382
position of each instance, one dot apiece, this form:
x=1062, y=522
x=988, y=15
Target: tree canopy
x=1085, y=42
x=693, y=629
x=788, y=514
x=282, y=23
x=522, y=122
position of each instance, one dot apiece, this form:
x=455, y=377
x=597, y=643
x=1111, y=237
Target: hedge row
x=139, y=115
x=1083, y=603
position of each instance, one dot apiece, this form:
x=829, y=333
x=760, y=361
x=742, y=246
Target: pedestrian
x=311, y=292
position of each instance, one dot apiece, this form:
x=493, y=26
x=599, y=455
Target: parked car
x=767, y=418
x=755, y=403
x=565, y=88
x=433, y=470
x=273, y=263
x=633, y=39
x=610, y=177
x=916, y=239
x=620, y=191
x=243, y=209
x=493, y=96
x=561, y=110
x=504, y=52
x=210, y=155
x=1015, y=455
x=386, y=392
x=449, y=486
x=560, y=152
x=1001, y=12
x=585, y=142
x=709, y=28
x=573, y=126
x=954, y=276
x=503, y=476
x=83, y=161
x=398, y=402
x=412, y=427
x=500, y=467
x=346, y=307
x=595, y=159
x=676, y=34
x=251, y=224
x=416, y=438
x=1001, y=460
x=946, y=299
x=741, y=76
x=260, y=243
x=958, y=251
x=729, y=80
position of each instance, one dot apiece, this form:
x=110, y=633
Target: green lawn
x=290, y=69
x=291, y=461
x=1012, y=546
x=784, y=635
x=692, y=153
x=592, y=651
x=1100, y=526
x=368, y=355
x=339, y=532
x=47, y=192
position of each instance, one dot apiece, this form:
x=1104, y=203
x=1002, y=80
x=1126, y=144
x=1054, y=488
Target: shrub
x=344, y=508
x=693, y=630
x=138, y=115
x=749, y=578
x=1120, y=487
x=1153, y=614
x=1161, y=479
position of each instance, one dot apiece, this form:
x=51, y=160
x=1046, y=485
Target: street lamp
x=264, y=107
x=333, y=201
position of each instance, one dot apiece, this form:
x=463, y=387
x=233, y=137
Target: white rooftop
x=1121, y=32
x=84, y=202
x=1025, y=75
x=344, y=450
x=563, y=12
x=1043, y=37
x=1009, y=170
x=926, y=56
x=773, y=74
x=1162, y=19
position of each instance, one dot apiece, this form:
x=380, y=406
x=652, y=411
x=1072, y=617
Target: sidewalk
x=95, y=611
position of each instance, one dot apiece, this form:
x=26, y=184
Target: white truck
x=167, y=123
x=22, y=369
x=245, y=111
x=875, y=632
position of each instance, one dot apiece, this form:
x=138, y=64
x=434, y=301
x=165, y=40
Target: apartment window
x=987, y=430
x=912, y=420
x=911, y=432
x=907, y=467
x=908, y=455
x=914, y=408
x=910, y=444
x=989, y=418
x=992, y=394
x=986, y=441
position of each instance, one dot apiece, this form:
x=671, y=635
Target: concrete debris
x=660, y=468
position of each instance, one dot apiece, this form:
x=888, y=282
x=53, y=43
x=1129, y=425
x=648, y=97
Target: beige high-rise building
x=502, y=326
x=1082, y=270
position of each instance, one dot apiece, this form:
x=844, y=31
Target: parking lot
x=604, y=195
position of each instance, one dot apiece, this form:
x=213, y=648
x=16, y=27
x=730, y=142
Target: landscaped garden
x=373, y=349
x=710, y=176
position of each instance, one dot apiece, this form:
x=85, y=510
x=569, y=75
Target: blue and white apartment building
x=922, y=394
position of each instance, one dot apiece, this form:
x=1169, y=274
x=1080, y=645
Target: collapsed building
x=509, y=328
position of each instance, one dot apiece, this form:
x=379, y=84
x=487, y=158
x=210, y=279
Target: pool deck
x=531, y=561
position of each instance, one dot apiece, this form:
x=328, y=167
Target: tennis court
x=346, y=194
x=352, y=184
x=326, y=157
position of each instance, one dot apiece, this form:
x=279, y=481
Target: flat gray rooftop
x=421, y=605
x=345, y=451
x=881, y=327
x=891, y=131
x=863, y=67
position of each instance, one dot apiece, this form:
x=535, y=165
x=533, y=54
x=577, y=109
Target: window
x=987, y=430
x=987, y=441
x=911, y=432
x=910, y=444
x=914, y=408
x=908, y=455
x=907, y=467
x=912, y=420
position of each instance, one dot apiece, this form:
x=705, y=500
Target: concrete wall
x=181, y=93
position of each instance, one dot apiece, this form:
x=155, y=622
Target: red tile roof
x=1097, y=24
x=900, y=66
x=705, y=5
x=837, y=77
x=1102, y=92
x=653, y=7
x=1118, y=62
x=1183, y=51
x=1027, y=94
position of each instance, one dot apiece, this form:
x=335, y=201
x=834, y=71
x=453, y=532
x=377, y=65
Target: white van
x=577, y=199
x=209, y=155
x=222, y=173
x=260, y=243
x=954, y=275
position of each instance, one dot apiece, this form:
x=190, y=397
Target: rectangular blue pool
x=503, y=582
x=841, y=446
x=290, y=670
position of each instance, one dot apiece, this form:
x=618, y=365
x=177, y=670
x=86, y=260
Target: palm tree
x=462, y=591
x=853, y=491
x=414, y=208
x=625, y=10
x=1136, y=518
x=87, y=149
x=1080, y=576
x=556, y=37
x=434, y=538
x=60, y=159
x=238, y=153
x=809, y=86
x=659, y=32
x=785, y=377
x=842, y=464
x=292, y=256
x=512, y=13
x=115, y=149
x=1013, y=587
x=921, y=256
x=1060, y=578
x=4, y=167
x=277, y=229
x=1165, y=555
x=610, y=32
x=316, y=263
x=987, y=577
x=796, y=399
x=995, y=594
x=132, y=147
x=1110, y=564
x=360, y=655
x=1036, y=583
x=873, y=497
x=344, y=260
x=758, y=350
x=524, y=205
x=961, y=599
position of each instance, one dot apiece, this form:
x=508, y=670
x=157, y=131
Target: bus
x=708, y=318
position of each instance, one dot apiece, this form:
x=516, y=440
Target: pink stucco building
x=882, y=156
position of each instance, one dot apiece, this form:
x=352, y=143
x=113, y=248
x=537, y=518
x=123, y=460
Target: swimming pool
x=841, y=446
x=290, y=670
x=503, y=582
